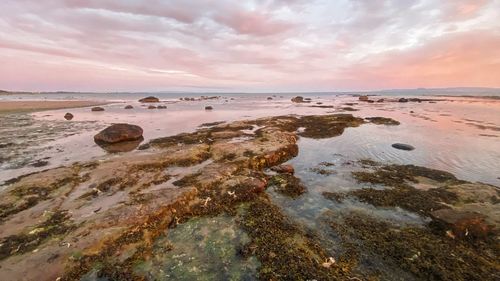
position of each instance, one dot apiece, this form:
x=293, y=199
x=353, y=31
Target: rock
x=363, y=98
x=119, y=133
x=462, y=223
x=208, y=107
x=162, y=107
x=284, y=169
x=403, y=100
x=68, y=116
x=298, y=99
x=97, y=108
x=383, y=121
x=380, y=100
x=255, y=185
x=403, y=146
x=129, y=107
x=151, y=107
x=370, y=101
x=269, y=98
x=149, y=99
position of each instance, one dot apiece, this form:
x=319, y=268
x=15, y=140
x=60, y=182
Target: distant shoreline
x=33, y=106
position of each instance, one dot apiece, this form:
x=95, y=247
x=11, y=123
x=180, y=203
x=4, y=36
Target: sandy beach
x=33, y=106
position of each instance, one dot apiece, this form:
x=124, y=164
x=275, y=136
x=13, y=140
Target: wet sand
x=32, y=106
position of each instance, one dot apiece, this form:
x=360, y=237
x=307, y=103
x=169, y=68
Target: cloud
x=257, y=44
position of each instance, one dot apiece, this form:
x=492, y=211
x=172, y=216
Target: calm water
x=461, y=135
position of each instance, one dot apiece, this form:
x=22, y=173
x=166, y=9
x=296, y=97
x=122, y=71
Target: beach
x=246, y=187
x=37, y=105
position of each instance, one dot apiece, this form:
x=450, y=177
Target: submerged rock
x=119, y=133
x=97, y=108
x=462, y=223
x=162, y=107
x=68, y=116
x=149, y=99
x=403, y=146
x=287, y=184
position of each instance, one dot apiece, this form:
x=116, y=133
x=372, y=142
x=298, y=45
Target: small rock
x=68, y=116
x=403, y=146
x=298, y=99
x=97, y=108
x=162, y=107
x=269, y=98
x=149, y=99
x=208, y=107
x=151, y=107
x=129, y=107
x=284, y=169
x=380, y=100
x=403, y=100
x=363, y=98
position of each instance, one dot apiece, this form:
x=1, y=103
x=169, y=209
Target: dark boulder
x=68, y=116
x=129, y=107
x=403, y=100
x=403, y=146
x=208, y=107
x=149, y=99
x=118, y=133
x=151, y=107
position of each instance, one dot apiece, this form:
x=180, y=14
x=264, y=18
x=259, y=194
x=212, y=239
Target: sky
x=248, y=46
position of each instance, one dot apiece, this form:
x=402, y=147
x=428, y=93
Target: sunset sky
x=259, y=45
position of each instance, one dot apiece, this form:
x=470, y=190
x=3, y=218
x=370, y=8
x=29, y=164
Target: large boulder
x=149, y=99
x=118, y=133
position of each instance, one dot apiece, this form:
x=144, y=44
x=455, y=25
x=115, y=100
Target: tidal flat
x=263, y=187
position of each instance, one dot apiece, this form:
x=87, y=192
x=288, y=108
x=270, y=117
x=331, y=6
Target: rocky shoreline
x=102, y=218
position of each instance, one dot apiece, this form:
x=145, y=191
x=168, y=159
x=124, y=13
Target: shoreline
x=34, y=106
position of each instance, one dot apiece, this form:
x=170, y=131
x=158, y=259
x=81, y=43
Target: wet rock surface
x=383, y=121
